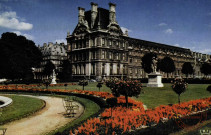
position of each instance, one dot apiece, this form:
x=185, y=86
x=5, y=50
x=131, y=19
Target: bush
x=209, y=88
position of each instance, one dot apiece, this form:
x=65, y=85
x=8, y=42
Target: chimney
x=93, y=13
x=112, y=12
x=81, y=14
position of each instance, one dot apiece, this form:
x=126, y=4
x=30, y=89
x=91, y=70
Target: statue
x=154, y=78
x=154, y=64
x=33, y=70
x=53, y=76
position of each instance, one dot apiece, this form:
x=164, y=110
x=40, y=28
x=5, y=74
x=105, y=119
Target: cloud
x=177, y=45
x=30, y=37
x=124, y=29
x=11, y=21
x=61, y=41
x=168, y=31
x=206, y=51
x=162, y=24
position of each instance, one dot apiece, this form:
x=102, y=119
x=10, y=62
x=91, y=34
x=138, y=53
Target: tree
x=166, y=65
x=18, y=55
x=99, y=85
x=187, y=68
x=83, y=83
x=179, y=86
x=125, y=88
x=147, y=62
x=48, y=68
x=111, y=102
x=206, y=68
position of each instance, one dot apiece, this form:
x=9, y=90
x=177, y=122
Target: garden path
x=49, y=118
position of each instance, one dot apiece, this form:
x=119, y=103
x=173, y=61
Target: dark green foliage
x=179, y=86
x=99, y=85
x=206, y=68
x=18, y=55
x=83, y=83
x=166, y=65
x=48, y=68
x=47, y=82
x=147, y=62
x=209, y=88
x=187, y=68
x=111, y=102
x=65, y=74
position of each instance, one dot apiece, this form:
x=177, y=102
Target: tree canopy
x=167, y=65
x=48, y=68
x=147, y=62
x=65, y=74
x=179, y=86
x=187, y=68
x=206, y=68
x=18, y=55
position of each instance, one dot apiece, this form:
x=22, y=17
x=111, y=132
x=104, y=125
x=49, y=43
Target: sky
x=182, y=23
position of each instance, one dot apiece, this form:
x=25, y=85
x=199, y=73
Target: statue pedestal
x=155, y=80
x=53, y=81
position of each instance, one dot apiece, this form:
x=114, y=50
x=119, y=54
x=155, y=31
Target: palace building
x=98, y=49
x=56, y=53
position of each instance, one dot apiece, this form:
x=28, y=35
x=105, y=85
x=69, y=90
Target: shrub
x=209, y=88
x=179, y=86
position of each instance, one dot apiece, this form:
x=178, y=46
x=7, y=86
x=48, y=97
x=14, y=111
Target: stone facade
x=56, y=53
x=98, y=48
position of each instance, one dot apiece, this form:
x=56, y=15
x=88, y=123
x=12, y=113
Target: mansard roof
x=102, y=18
x=140, y=42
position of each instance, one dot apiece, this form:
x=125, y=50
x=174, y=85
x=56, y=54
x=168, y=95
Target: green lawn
x=20, y=107
x=153, y=97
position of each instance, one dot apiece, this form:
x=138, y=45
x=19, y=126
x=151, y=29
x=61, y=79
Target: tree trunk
x=111, y=111
x=179, y=98
x=126, y=98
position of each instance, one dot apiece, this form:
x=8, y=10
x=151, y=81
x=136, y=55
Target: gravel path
x=44, y=121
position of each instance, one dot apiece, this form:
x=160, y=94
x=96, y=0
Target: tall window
x=131, y=60
x=103, y=41
x=117, y=44
x=103, y=54
x=110, y=55
x=117, y=56
x=110, y=42
x=123, y=56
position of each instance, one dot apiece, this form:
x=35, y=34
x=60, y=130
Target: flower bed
x=124, y=120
